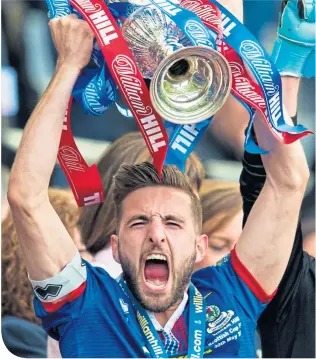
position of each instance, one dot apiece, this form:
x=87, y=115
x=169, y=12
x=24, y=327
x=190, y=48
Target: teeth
x=157, y=256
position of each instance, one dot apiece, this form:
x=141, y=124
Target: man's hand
x=73, y=40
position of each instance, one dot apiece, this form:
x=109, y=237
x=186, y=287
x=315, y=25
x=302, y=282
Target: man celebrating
x=157, y=308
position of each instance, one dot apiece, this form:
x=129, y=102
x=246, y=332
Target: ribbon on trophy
x=265, y=97
x=254, y=55
x=204, y=24
x=124, y=70
x=85, y=181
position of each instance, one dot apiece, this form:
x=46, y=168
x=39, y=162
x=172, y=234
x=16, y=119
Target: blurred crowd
x=28, y=60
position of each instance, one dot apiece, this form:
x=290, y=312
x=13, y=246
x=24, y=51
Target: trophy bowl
x=189, y=84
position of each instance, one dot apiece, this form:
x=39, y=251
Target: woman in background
x=222, y=218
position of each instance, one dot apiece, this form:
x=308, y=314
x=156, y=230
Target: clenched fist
x=73, y=40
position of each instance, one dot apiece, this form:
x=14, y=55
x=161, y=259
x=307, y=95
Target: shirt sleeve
x=65, y=287
x=248, y=293
x=61, y=299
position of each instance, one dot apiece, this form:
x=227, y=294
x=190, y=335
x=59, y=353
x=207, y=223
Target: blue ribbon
x=182, y=142
x=197, y=324
x=58, y=8
x=262, y=67
x=250, y=145
x=95, y=90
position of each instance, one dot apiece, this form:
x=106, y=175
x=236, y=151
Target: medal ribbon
x=197, y=324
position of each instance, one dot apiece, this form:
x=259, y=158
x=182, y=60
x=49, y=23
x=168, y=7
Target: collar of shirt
x=172, y=320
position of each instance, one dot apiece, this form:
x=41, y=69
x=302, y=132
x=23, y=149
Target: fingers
x=73, y=39
x=69, y=23
x=57, y=20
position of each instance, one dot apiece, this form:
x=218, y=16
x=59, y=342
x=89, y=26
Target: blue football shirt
x=97, y=319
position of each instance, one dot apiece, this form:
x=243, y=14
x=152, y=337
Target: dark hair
x=130, y=178
x=97, y=223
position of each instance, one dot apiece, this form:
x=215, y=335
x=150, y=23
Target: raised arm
x=267, y=238
x=273, y=218
x=45, y=243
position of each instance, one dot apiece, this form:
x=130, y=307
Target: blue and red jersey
x=97, y=318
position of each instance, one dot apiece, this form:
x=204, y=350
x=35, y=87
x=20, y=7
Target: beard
x=159, y=302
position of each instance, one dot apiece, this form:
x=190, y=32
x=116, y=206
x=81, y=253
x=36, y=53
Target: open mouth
x=156, y=271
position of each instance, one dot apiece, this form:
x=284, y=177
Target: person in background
x=21, y=332
x=97, y=222
x=222, y=219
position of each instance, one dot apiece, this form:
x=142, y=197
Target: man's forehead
x=162, y=200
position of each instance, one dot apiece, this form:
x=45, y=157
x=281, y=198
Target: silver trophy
x=189, y=83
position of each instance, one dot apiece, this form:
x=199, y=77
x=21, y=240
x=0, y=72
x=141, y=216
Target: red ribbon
x=85, y=182
x=243, y=85
x=127, y=76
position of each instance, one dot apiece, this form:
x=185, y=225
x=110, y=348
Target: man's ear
x=201, y=247
x=115, y=251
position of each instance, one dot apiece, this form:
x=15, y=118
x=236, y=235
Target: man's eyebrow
x=137, y=217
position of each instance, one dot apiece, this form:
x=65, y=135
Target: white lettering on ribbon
x=263, y=68
x=92, y=98
x=185, y=138
x=198, y=32
x=125, y=70
x=149, y=335
x=197, y=343
x=71, y=159
x=61, y=7
x=104, y=26
x=275, y=107
x=169, y=8
x=87, y=6
x=94, y=199
x=244, y=87
x=206, y=12
x=228, y=25
x=65, y=127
